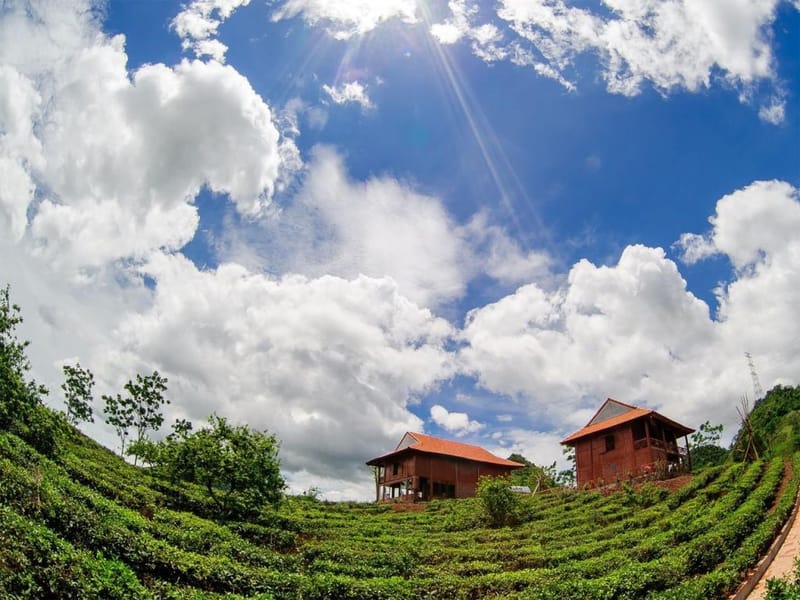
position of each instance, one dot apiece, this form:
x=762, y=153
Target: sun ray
x=511, y=191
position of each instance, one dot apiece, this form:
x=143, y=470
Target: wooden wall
x=596, y=465
x=428, y=469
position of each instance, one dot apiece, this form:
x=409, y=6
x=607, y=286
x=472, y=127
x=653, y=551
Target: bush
x=786, y=588
x=499, y=503
x=237, y=467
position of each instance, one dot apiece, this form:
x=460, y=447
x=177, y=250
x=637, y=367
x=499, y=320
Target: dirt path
x=783, y=564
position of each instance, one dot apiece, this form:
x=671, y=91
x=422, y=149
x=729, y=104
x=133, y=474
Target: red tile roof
x=434, y=445
x=631, y=415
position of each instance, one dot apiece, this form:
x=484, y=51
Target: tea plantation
x=89, y=525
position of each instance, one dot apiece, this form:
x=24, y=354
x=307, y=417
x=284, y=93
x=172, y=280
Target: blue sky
x=342, y=219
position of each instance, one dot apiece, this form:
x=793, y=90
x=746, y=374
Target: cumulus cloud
x=103, y=208
x=346, y=18
x=502, y=257
x=197, y=25
x=756, y=228
x=609, y=330
x=457, y=423
x=380, y=227
x=351, y=92
x=330, y=365
x=122, y=156
x=539, y=447
x=751, y=225
x=633, y=331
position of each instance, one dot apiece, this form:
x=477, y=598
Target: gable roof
x=620, y=413
x=609, y=409
x=419, y=442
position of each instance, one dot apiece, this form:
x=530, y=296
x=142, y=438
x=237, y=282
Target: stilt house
x=623, y=441
x=423, y=467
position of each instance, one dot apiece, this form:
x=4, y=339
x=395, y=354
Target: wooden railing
x=660, y=444
x=388, y=475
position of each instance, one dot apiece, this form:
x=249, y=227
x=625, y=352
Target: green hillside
x=76, y=521
x=89, y=525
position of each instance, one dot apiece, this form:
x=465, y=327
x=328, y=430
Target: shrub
x=499, y=503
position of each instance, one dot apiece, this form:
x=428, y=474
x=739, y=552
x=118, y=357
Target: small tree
x=532, y=475
x=139, y=410
x=566, y=478
x=21, y=408
x=148, y=398
x=18, y=398
x=706, y=435
x=77, y=388
x=119, y=414
x=376, y=478
x=706, y=450
x=500, y=504
x=237, y=466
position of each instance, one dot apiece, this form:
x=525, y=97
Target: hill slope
x=89, y=525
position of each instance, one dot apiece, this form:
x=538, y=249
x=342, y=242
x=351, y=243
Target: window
x=444, y=490
x=395, y=468
x=609, y=443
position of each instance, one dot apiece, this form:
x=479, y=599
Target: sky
x=341, y=220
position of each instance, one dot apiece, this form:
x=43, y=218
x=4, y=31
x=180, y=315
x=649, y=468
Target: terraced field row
x=120, y=533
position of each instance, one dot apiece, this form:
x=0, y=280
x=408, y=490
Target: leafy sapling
x=140, y=410
x=77, y=388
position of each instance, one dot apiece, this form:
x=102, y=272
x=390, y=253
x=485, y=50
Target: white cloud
x=457, y=423
x=672, y=44
x=486, y=39
x=503, y=258
x=447, y=32
x=539, y=447
x=16, y=193
x=608, y=331
x=756, y=228
x=352, y=91
x=751, y=225
x=330, y=365
x=379, y=228
x=197, y=25
x=112, y=166
x=694, y=247
x=457, y=25
x=346, y=18
x=103, y=209
x=315, y=117
x=19, y=149
x=633, y=331
x=774, y=112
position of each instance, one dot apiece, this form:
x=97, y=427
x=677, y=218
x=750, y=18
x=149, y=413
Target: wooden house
x=623, y=441
x=423, y=467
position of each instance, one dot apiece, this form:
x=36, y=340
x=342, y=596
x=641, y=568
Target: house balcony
x=668, y=447
x=387, y=478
